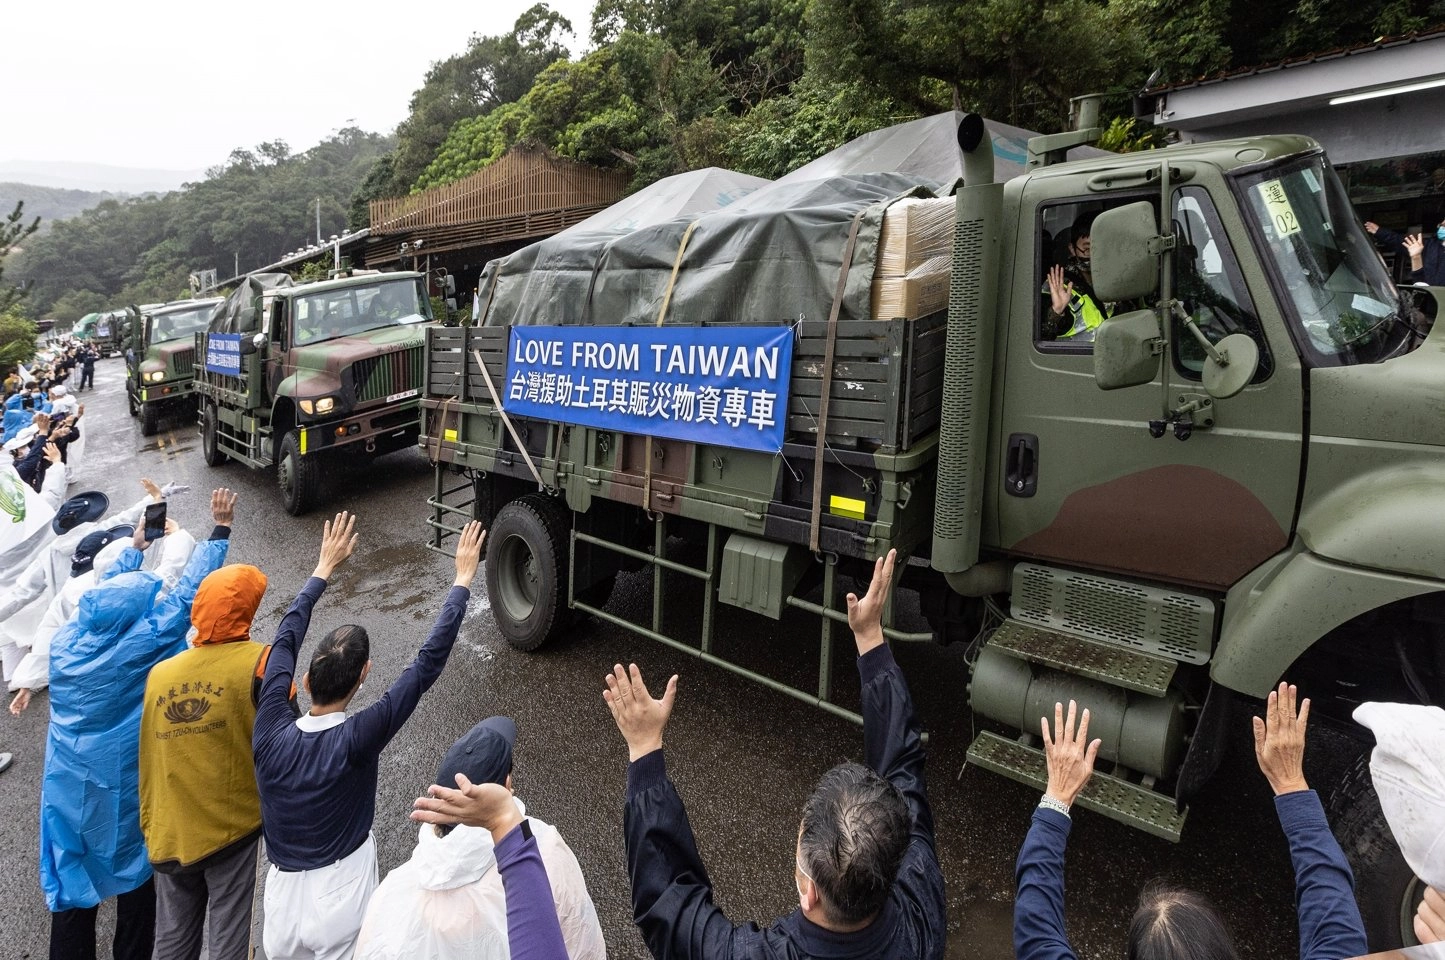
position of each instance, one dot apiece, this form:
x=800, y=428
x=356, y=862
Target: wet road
x=744, y=758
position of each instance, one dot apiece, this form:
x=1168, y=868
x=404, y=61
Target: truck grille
x=377, y=378
x=183, y=362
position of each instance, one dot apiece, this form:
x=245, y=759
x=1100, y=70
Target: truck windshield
x=180, y=325
x=1340, y=298
x=346, y=311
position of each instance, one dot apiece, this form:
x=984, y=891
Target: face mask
x=1440, y=233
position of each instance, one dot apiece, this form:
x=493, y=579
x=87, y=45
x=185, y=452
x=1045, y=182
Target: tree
x=12, y=231
x=491, y=72
x=17, y=337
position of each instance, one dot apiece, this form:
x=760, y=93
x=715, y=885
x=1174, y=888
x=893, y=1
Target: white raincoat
x=33, y=672
x=446, y=902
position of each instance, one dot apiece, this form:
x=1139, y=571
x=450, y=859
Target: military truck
x=296, y=376
x=1235, y=479
x=160, y=361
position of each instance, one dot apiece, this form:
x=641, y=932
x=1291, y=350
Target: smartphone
x=155, y=524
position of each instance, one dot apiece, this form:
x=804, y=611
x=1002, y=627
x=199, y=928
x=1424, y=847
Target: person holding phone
x=93, y=851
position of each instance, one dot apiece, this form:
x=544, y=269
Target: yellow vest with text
x=197, y=778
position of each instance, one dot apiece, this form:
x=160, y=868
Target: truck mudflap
x=379, y=431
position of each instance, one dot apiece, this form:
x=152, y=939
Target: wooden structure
x=527, y=194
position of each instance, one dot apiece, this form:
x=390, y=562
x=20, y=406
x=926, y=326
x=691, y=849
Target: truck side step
x=1107, y=662
x=1111, y=796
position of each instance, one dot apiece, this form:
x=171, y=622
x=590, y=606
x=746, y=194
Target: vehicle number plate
x=404, y=395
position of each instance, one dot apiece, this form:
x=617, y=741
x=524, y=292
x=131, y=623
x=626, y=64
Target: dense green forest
x=665, y=86
x=51, y=203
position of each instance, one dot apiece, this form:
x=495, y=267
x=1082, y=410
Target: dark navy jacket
x=672, y=895
x=1432, y=258
x=1330, y=927
x=318, y=789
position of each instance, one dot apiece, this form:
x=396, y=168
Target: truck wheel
x=1386, y=888
x=210, y=441
x=299, y=476
x=527, y=570
x=149, y=420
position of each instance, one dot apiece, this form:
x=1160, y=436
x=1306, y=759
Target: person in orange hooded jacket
x=200, y=811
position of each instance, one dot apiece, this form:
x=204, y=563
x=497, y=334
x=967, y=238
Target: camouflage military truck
x=296, y=376
x=107, y=333
x=1235, y=479
x=160, y=360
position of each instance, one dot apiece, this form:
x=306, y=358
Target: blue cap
x=83, y=559
x=86, y=507
x=484, y=753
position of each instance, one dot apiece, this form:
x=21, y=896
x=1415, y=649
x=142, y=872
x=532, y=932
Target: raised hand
x=1371, y=226
x=1279, y=740
x=865, y=614
x=1069, y=755
x=338, y=540
x=152, y=491
x=21, y=701
x=1059, y=291
x=1430, y=918
x=486, y=805
x=469, y=552
x=52, y=453
x=223, y=506
x=639, y=717
x=1415, y=245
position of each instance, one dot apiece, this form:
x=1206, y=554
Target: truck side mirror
x=1124, y=268
x=252, y=345
x=451, y=285
x=1127, y=348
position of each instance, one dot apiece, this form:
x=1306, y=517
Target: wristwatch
x=1051, y=803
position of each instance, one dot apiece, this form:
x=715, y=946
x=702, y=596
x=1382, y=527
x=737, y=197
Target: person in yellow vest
x=1074, y=312
x=199, y=809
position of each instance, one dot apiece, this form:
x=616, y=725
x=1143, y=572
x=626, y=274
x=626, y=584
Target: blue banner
x=223, y=353
x=720, y=385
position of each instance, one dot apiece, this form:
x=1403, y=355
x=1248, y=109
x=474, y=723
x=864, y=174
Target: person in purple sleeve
x=316, y=774
x=866, y=873
x=1171, y=923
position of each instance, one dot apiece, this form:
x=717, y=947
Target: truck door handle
x=1021, y=465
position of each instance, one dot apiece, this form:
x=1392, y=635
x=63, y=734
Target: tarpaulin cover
x=237, y=314
x=771, y=256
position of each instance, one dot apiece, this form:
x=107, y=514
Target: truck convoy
x=297, y=375
x=1234, y=478
x=160, y=358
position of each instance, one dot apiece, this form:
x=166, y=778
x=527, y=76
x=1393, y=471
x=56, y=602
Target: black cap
x=84, y=507
x=83, y=559
x=484, y=753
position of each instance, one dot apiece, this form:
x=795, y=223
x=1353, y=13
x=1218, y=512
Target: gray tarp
x=237, y=314
x=772, y=256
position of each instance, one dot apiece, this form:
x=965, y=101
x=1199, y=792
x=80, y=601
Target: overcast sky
x=177, y=86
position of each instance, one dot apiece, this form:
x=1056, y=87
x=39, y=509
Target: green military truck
x=1234, y=479
x=296, y=375
x=161, y=359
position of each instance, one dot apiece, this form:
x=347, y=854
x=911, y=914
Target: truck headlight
x=324, y=405
x=156, y=376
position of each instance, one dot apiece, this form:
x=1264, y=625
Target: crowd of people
x=176, y=746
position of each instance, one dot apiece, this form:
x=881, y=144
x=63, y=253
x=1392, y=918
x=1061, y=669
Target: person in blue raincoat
x=91, y=847
x=17, y=415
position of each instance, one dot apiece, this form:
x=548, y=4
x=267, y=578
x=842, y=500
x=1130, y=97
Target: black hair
x=1175, y=924
x=1083, y=225
x=854, y=834
x=337, y=664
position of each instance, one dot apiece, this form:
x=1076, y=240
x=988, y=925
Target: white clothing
x=63, y=406
x=316, y=914
x=1408, y=770
x=33, y=672
x=447, y=902
x=309, y=723
x=16, y=556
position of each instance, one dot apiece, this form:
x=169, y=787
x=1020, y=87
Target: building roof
x=1320, y=56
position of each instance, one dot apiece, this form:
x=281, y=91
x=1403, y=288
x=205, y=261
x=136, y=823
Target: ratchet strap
x=506, y=420
x=661, y=314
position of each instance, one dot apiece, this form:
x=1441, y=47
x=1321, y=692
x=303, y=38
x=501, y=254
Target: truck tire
x=1386, y=889
x=298, y=476
x=150, y=417
x=527, y=570
x=210, y=439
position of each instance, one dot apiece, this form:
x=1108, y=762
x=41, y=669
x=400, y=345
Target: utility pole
x=318, y=221
x=236, y=272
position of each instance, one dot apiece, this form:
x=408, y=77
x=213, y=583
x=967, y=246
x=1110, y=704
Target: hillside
x=50, y=203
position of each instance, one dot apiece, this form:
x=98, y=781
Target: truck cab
x=160, y=360
x=298, y=376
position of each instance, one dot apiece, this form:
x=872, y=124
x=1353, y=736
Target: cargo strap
x=491, y=292
x=506, y=420
x=449, y=406
x=661, y=315
x=829, y=349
